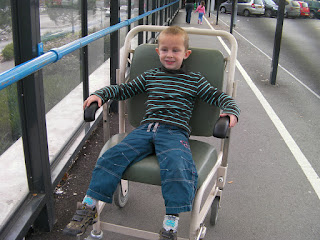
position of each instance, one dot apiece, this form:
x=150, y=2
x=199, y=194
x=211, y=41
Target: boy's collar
x=182, y=69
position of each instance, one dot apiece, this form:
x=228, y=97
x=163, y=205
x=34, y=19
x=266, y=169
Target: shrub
x=7, y=52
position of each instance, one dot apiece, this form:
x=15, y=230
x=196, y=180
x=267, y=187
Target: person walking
x=189, y=6
x=201, y=10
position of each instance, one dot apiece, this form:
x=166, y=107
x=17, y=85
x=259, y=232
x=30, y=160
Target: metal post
x=114, y=48
x=153, y=34
x=140, y=22
x=218, y=9
x=161, y=14
x=277, y=42
x=129, y=13
x=84, y=51
x=233, y=14
x=26, y=36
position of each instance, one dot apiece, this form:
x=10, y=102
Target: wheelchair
x=211, y=164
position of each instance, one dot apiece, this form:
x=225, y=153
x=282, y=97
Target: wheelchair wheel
x=214, y=211
x=120, y=198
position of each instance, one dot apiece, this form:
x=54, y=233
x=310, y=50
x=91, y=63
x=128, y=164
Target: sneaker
x=167, y=235
x=83, y=217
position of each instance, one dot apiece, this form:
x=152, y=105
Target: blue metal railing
x=25, y=69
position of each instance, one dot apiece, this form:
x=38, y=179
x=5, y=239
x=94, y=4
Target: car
x=314, y=7
x=245, y=7
x=107, y=12
x=271, y=8
x=69, y=2
x=304, y=9
x=292, y=8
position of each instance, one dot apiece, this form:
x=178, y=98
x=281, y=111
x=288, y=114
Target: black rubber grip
x=221, y=127
x=89, y=112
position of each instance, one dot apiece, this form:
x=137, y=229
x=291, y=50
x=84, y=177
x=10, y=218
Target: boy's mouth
x=169, y=62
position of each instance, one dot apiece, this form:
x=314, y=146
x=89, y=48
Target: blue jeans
x=177, y=169
x=189, y=7
x=200, y=17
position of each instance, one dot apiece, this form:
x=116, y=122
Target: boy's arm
x=213, y=96
x=117, y=92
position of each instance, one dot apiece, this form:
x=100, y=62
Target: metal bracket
x=40, y=49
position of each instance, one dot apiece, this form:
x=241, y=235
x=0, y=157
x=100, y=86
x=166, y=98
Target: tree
x=5, y=16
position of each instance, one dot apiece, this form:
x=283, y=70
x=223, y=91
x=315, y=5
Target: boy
x=164, y=130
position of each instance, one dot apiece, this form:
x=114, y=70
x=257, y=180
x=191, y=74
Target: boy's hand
x=233, y=119
x=91, y=99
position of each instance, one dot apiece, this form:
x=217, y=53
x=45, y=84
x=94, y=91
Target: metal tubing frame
x=220, y=168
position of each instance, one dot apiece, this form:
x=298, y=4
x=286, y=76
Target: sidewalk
x=267, y=195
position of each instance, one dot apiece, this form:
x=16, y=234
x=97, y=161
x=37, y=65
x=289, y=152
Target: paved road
x=296, y=96
x=269, y=194
x=300, y=43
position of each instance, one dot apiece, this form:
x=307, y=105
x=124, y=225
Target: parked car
x=271, y=8
x=314, y=7
x=245, y=7
x=304, y=9
x=292, y=9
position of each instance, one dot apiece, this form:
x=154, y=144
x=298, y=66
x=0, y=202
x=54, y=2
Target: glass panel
x=99, y=50
x=123, y=16
x=134, y=11
x=60, y=24
x=14, y=185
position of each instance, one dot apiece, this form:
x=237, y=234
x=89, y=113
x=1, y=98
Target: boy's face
x=172, y=51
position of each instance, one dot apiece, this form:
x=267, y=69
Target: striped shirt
x=171, y=95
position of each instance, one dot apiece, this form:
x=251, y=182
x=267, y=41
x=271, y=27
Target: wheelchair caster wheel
x=121, y=195
x=95, y=235
x=203, y=232
x=214, y=211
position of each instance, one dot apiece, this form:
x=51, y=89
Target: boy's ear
x=157, y=50
x=187, y=54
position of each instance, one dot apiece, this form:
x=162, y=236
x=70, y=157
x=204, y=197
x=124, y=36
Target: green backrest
x=209, y=62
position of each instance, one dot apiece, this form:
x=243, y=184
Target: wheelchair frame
x=198, y=215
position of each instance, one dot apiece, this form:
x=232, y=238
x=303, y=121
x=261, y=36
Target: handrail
x=25, y=69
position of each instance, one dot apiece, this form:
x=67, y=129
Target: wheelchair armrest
x=89, y=112
x=221, y=127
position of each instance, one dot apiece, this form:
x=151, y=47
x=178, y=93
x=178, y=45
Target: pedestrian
x=164, y=131
x=202, y=11
x=189, y=6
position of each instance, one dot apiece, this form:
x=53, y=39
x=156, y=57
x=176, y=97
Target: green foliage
x=60, y=78
x=5, y=16
x=8, y=52
x=10, y=128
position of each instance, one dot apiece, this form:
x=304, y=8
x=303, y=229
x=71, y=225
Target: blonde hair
x=176, y=30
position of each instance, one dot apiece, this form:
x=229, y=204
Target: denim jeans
x=189, y=7
x=177, y=169
x=200, y=17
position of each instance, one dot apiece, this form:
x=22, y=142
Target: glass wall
x=60, y=23
x=14, y=186
x=99, y=51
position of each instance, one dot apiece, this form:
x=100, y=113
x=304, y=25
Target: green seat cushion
x=148, y=170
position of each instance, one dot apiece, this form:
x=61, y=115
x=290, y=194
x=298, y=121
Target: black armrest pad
x=221, y=127
x=89, y=112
